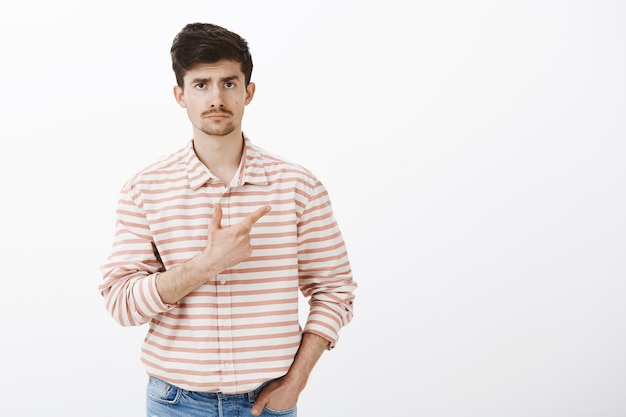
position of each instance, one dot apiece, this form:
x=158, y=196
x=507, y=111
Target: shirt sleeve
x=129, y=275
x=325, y=275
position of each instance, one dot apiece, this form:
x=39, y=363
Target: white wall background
x=474, y=151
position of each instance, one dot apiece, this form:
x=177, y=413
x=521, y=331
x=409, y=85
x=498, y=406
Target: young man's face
x=215, y=96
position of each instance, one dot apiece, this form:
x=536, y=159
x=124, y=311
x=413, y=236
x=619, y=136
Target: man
x=213, y=244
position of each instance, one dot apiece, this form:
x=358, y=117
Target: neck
x=221, y=154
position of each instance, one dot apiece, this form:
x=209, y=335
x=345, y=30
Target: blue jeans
x=166, y=400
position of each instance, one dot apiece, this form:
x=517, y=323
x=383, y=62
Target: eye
x=200, y=86
x=229, y=85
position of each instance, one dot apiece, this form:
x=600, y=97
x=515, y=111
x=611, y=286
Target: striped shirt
x=241, y=328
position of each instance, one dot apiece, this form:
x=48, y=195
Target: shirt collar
x=251, y=170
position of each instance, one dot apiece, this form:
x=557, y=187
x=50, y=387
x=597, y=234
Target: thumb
x=259, y=404
x=257, y=408
x=216, y=219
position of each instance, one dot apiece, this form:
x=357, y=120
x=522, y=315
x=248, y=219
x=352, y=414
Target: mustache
x=209, y=112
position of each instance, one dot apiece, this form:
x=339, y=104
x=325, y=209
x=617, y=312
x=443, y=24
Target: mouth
x=215, y=115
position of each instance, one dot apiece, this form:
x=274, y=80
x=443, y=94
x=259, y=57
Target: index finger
x=255, y=216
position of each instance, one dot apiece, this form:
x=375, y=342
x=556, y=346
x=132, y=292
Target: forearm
x=133, y=297
x=311, y=348
x=176, y=283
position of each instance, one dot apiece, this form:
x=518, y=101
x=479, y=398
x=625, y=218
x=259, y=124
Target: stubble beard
x=218, y=130
x=217, y=127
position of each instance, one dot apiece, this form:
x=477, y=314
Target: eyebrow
x=224, y=79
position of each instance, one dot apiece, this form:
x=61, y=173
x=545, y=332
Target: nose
x=215, y=99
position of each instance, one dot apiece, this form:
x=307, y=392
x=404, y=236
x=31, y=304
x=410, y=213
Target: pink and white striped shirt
x=241, y=328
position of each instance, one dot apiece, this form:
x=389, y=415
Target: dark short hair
x=200, y=43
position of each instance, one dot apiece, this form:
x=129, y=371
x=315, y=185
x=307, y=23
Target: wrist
x=295, y=379
x=199, y=269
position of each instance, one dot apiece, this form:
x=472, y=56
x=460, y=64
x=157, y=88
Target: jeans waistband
x=251, y=396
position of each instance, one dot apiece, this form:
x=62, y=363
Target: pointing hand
x=228, y=246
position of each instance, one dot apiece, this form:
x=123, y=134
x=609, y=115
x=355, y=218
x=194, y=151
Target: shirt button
x=222, y=281
x=226, y=365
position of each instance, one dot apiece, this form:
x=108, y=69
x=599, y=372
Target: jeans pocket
x=162, y=392
x=284, y=413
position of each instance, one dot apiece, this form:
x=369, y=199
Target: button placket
x=224, y=305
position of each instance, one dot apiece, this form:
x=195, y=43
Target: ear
x=250, y=89
x=179, y=95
